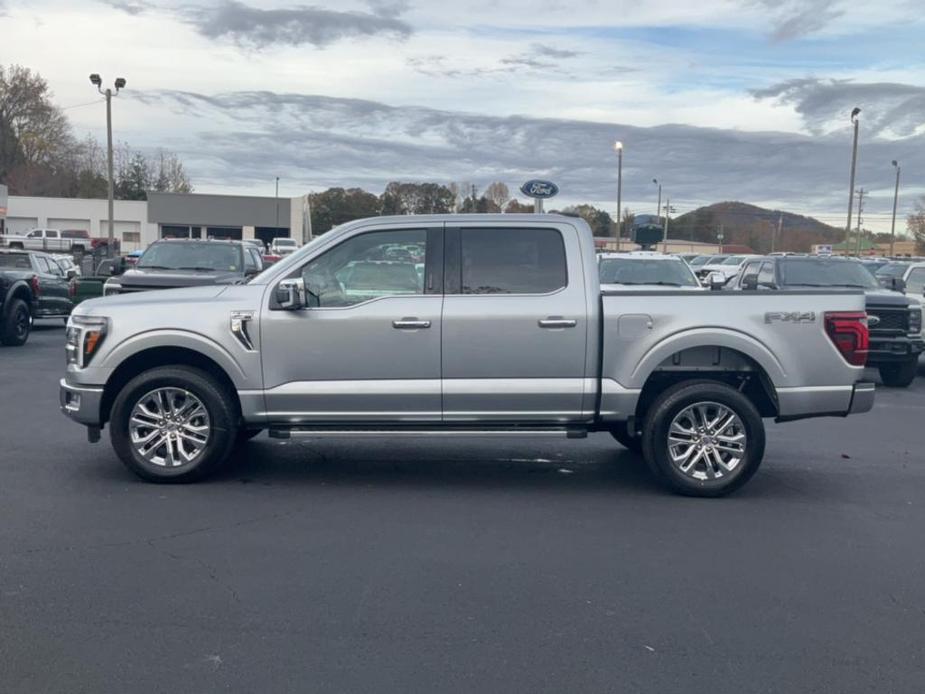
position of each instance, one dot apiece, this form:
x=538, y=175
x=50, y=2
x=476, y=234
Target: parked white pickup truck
x=54, y=241
x=505, y=332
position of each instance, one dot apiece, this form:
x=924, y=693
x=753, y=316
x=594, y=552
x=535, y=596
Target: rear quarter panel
x=642, y=330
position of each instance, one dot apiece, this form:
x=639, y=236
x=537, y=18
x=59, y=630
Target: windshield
x=15, y=260
x=734, y=260
x=284, y=242
x=716, y=259
x=892, y=270
x=192, y=255
x=646, y=271
x=818, y=272
x=699, y=260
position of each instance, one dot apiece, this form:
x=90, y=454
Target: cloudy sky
x=719, y=99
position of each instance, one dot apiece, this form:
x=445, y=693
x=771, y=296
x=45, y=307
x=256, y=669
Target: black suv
x=172, y=263
x=895, y=322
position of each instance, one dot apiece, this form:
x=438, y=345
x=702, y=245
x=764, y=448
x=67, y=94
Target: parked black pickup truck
x=895, y=322
x=173, y=263
x=32, y=285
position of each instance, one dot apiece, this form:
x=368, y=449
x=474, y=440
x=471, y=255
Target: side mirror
x=716, y=281
x=898, y=284
x=290, y=294
x=750, y=282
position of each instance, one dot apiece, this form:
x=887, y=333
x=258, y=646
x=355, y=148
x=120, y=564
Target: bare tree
x=498, y=193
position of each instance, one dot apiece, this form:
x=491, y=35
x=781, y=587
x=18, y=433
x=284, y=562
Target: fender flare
x=12, y=289
x=182, y=339
x=711, y=337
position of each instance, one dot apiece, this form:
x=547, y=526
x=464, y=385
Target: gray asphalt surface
x=458, y=566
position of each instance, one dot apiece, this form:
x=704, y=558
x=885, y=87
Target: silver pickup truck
x=460, y=325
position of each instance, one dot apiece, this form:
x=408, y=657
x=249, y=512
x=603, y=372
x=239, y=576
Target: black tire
x=245, y=435
x=673, y=402
x=899, y=375
x=16, y=325
x=218, y=403
x=623, y=436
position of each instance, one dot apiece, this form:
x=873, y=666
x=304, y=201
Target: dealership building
x=166, y=215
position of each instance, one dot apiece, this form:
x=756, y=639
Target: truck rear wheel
x=899, y=375
x=173, y=424
x=15, y=324
x=703, y=438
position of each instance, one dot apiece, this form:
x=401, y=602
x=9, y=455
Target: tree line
x=336, y=206
x=41, y=156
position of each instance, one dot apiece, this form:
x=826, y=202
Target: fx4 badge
x=790, y=317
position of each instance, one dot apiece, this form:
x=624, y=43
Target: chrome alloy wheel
x=706, y=441
x=169, y=427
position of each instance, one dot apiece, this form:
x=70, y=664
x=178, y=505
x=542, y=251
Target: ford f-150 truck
x=506, y=331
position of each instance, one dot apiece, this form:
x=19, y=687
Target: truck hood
x=886, y=297
x=141, y=278
x=181, y=298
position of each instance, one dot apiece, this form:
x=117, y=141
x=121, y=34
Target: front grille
x=891, y=321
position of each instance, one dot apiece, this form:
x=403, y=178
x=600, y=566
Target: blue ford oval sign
x=539, y=189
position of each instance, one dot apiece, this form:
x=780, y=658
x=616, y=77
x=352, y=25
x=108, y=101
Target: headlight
x=915, y=320
x=85, y=334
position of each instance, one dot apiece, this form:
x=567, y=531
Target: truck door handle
x=410, y=324
x=558, y=322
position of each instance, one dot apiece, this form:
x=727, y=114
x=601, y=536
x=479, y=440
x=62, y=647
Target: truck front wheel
x=901, y=374
x=15, y=324
x=173, y=424
x=703, y=438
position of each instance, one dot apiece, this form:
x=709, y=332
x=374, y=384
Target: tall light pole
x=97, y=82
x=618, y=146
x=895, y=201
x=658, y=207
x=854, y=162
x=276, y=230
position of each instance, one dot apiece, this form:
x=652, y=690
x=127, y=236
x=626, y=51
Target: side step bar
x=424, y=432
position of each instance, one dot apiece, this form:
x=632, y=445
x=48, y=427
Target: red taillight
x=72, y=288
x=848, y=332
x=36, y=286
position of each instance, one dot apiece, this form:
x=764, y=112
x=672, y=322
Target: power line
x=89, y=103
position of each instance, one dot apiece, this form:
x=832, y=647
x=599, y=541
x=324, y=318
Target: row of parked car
x=39, y=285
x=893, y=291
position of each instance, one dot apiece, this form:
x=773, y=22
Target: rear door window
x=915, y=285
x=512, y=261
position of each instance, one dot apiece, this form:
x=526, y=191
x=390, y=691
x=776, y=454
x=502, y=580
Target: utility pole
x=854, y=162
x=861, y=194
x=97, y=82
x=895, y=201
x=668, y=211
x=658, y=207
x=618, y=146
x=779, y=235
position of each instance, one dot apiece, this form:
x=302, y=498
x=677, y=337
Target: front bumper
x=81, y=403
x=892, y=350
x=862, y=398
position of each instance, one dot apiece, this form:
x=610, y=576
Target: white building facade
x=138, y=223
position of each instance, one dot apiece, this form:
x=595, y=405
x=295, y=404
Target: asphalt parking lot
x=458, y=566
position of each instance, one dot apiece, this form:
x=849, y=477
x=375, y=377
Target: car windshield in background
x=698, y=261
x=644, y=271
x=733, y=260
x=716, y=259
x=814, y=272
x=383, y=277
x=20, y=261
x=891, y=270
x=192, y=255
x=285, y=242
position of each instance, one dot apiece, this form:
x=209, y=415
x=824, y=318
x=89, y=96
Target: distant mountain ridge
x=753, y=226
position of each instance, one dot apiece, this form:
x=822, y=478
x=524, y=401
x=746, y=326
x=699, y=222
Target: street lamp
x=854, y=161
x=658, y=207
x=618, y=147
x=97, y=82
x=895, y=201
